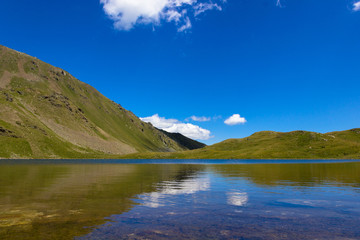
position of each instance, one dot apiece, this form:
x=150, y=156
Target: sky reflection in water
x=222, y=204
x=180, y=201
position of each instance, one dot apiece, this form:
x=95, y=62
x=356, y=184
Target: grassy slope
x=47, y=113
x=276, y=145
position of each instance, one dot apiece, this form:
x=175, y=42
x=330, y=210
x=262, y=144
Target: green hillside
x=276, y=145
x=47, y=113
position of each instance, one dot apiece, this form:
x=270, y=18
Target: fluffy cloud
x=356, y=6
x=198, y=119
x=127, y=13
x=160, y=122
x=175, y=126
x=235, y=119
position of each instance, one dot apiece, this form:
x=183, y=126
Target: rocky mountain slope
x=184, y=141
x=47, y=113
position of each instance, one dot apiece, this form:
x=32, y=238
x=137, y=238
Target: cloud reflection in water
x=188, y=186
x=237, y=198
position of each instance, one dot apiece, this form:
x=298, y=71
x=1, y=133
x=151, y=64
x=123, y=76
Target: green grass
x=8, y=60
x=275, y=145
x=14, y=147
x=43, y=105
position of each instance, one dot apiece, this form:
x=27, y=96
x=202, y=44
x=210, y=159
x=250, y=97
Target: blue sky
x=280, y=67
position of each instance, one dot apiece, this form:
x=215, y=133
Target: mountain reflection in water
x=190, y=201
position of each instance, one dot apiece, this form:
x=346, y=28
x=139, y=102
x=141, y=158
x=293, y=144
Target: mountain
x=277, y=145
x=47, y=113
x=184, y=141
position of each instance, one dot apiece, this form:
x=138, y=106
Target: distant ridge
x=47, y=113
x=184, y=141
x=276, y=145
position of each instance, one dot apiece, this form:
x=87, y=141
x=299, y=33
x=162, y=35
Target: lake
x=179, y=199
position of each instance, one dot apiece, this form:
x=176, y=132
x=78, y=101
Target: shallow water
x=182, y=199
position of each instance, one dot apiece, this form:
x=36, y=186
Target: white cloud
x=203, y=7
x=198, y=119
x=160, y=122
x=187, y=25
x=356, y=6
x=175, y=126
x=127, y=13
x=235, y=119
